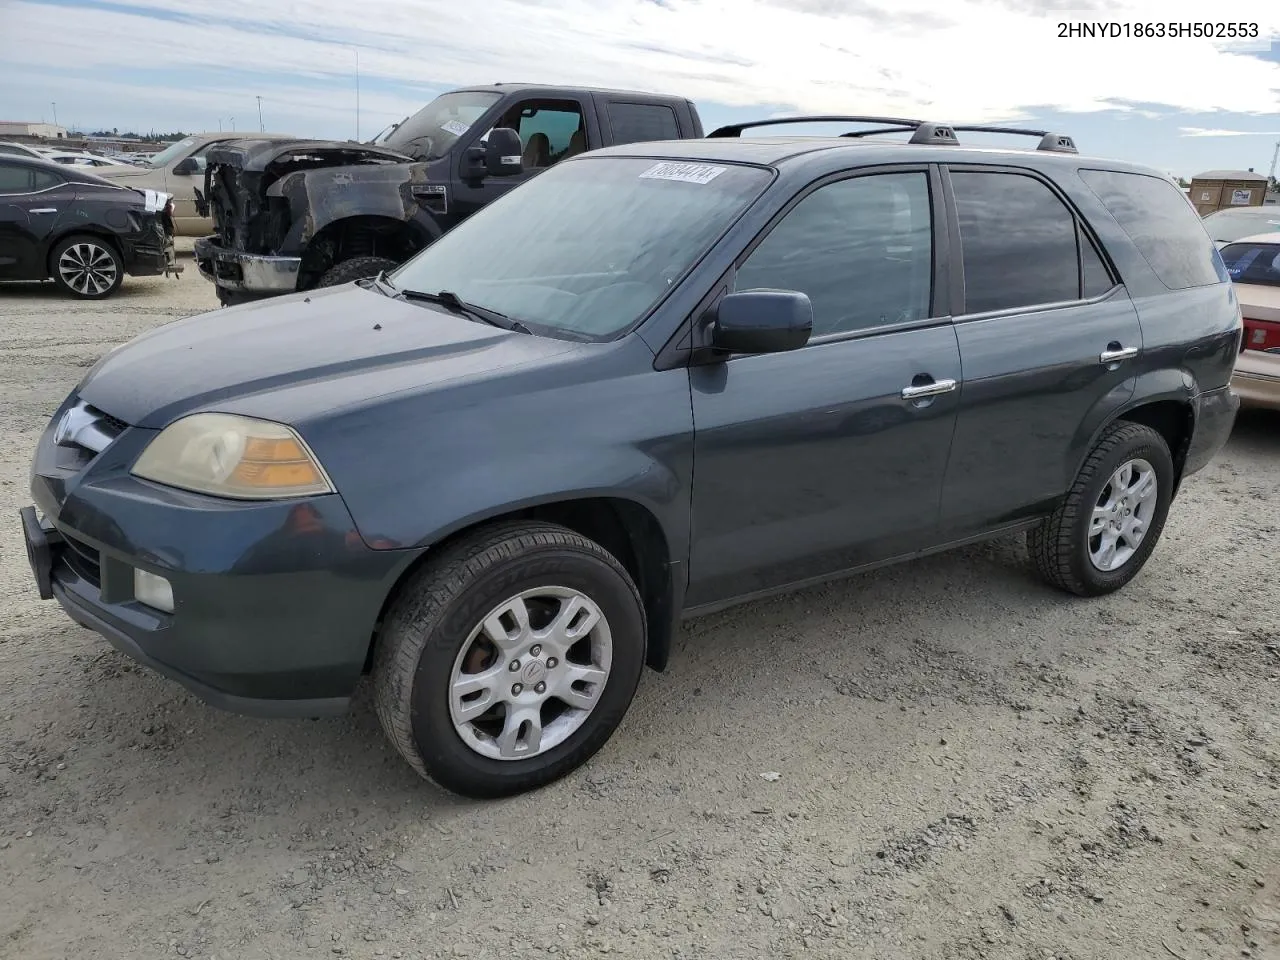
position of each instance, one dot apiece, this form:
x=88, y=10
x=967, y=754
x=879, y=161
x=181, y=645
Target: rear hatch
x=247, y=214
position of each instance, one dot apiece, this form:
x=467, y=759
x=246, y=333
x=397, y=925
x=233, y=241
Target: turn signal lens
x=235, y=457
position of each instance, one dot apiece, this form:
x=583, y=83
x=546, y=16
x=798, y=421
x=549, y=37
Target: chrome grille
x=88, y=428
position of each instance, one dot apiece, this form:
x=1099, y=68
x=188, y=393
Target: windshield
x=169, y=153
x=1228, y=225
x=587, y=248
x=1253, y=263
x=431, y=131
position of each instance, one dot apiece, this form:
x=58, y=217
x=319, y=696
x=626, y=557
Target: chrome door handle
x=45, y=210
x=1112, y=356
x=928, y=389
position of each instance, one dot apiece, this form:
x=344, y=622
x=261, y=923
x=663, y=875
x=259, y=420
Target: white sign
x=683, y=172
x=1240, y=198
x=456, y=127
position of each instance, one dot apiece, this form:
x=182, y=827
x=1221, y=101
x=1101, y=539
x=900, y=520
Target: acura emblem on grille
x=80, y=426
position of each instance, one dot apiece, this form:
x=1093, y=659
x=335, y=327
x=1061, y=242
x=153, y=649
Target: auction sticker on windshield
x=456, y=127
x=683, y=172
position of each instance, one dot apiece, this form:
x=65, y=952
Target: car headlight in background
x=231, y=456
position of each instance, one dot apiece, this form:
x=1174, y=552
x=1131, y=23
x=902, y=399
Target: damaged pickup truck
x=296, y=214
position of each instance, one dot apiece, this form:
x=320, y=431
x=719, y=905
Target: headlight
x=229, y=456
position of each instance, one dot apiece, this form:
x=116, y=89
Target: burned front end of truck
x=285, y=214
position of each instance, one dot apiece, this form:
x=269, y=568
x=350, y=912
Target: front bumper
x=275, y=603
x=1257, y=379
x=245, y=272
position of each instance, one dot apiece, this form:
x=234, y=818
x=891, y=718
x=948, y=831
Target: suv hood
x=125, y=173
x=294, y=358
x=255, y=156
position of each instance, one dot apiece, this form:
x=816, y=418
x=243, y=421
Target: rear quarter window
x=1162, y=225
x=641, y=122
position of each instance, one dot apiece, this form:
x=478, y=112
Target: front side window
x=860, y=249
x=587, y=248
x=1253, y=263
x=1017, y=241
x=548, y=130
x=1162, y=225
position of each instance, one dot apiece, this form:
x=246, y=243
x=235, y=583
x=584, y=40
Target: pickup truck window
x=431, y=131
x=638, y=122
x=587, y=248
x=546, y=128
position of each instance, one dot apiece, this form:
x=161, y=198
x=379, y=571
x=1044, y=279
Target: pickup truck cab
x=292, y=215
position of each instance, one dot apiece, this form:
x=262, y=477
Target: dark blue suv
x=653, y=381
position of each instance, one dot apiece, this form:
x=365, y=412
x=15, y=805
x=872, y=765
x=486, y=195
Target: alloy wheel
x=87, y=268
x=1122, y=515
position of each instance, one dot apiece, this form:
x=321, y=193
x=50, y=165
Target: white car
x=19, y=150
x=1228, y=226
x=79, y=158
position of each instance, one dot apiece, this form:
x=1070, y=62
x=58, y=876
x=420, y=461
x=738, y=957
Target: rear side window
x=640, y=122
x=19, y=178
x=1018, y=242
x=1162, y=225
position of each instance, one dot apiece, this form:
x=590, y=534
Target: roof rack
x=922, y=131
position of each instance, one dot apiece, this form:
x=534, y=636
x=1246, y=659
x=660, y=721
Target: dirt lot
x=942, y=760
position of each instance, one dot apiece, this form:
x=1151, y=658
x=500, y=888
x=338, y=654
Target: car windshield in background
x=1226, y=226
x=1253, y=263
x=431, y=131
x=169, y=153
x=587, y=248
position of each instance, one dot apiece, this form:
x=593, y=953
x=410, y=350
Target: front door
x=31, y=202
x=550, y=130
x=1048, y=339
x=832, y=456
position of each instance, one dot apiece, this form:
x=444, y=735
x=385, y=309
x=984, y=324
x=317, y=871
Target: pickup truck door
x=550, y=129
x=830, y=457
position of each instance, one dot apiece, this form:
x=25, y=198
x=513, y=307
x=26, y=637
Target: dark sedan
x=79, y=230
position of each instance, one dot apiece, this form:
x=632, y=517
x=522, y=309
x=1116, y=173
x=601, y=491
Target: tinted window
x=637, y=122
x=1162, y=224
x=546, y=128
x=1253, y=263
x=586, y=248
x=1018, y=242
x=19, y=178
x=1097, y=280
x=861, y=249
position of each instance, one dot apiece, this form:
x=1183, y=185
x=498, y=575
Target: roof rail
x=923, y=131
x=1050, y=142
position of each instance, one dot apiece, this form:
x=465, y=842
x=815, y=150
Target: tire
x=426, y=642
x=87, y=267
x=358, y=268
x=233, y=298
x=1068, y=553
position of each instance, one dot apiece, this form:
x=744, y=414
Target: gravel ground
x=946, y=760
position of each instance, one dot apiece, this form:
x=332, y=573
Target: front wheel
x=509, y=660
x=357, y=268
x=1102, y=534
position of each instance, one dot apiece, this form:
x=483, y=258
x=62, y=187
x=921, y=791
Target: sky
x=1181, y=105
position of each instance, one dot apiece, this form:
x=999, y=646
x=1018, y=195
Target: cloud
x=1206, y=132
x=968, y=61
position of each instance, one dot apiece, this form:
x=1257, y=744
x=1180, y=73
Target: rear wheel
x=1102, y=534
x=357, y=268
x=87, y=267
x=509, y=660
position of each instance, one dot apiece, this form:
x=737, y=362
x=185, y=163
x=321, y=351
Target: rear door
x=32, y=200
x=1048, y=340
x=829, y=457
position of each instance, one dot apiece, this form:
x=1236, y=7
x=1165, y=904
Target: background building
x=17, y=128
x=1219, y=189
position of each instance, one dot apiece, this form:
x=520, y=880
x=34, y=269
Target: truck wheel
x=87, y=267
x=358, y=268
x=508, y=660
x=1101, y=535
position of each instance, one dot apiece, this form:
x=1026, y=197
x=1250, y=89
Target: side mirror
x=503, y=153
x=186, y=167
x=762, y=321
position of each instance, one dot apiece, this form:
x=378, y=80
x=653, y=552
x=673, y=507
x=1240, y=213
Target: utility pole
x=55, y=112
x=356, y=51
x=233, y=123
x=1274, y=157
x=261, y=128
x=219, y=124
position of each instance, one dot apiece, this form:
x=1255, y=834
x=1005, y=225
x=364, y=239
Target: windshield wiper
x=382, y=283
x=449, y=299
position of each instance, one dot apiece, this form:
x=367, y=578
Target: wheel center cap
x=534, y=671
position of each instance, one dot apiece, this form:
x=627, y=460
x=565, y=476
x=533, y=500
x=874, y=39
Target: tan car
x=178, y=170
x=1254, y=265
